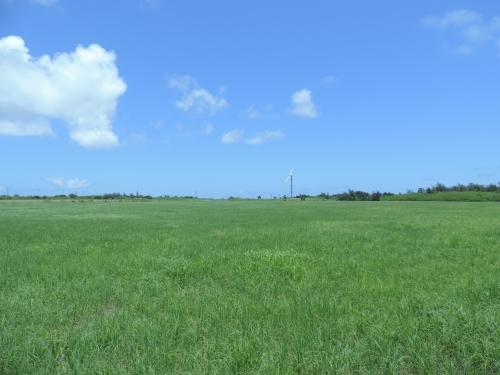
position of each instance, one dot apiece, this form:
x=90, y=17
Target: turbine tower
x=291, y=183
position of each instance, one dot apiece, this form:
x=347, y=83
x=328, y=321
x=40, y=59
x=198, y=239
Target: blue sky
x=222, y=98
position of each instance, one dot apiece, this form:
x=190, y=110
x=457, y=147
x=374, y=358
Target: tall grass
x=249, y=287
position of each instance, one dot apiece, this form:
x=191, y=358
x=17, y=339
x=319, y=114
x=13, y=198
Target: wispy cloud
x=157, y=124
x=72, y=183
x=303, y=105
x=263, y=137
x=195, y=97
x=456, y=17
x=469, y=25
x=233, y=136
x=2, y=188
x=45, y=2
x=206, y=129
x=153, y=4
x=183, y=83
x=483, y=176
x=253, y=113
x=329, y=79
x=137, y=139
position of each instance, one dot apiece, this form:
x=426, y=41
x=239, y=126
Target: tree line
x=351, y=195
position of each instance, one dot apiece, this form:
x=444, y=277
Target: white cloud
x=469, y=26
x=201, y=100
x=459, y=17
x=195, y=97
x=183, y=83
x=81, y=88
x=75, y=183
x=2, y=188
x=303, y=105
x=233, y=136
x=72, y=183
x=253, y=113
x=263, y=137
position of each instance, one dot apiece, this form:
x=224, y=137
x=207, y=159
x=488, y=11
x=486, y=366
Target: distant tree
x=376, y=196
x=259, y=197
x=440, y=187
x=73, y=196
x=460, y=187
x=473, y=187
x=491, y=188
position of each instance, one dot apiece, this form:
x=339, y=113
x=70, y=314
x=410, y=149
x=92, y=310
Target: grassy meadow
x=249, y=287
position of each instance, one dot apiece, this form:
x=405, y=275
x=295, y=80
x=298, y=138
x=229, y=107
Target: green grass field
x=249, y=287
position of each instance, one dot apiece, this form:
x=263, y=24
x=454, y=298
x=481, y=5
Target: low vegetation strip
x=249, y=287
x=448, y=196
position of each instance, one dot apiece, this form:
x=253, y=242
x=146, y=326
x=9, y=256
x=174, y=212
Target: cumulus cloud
x=469, y=25
x=81, y=88
x=195, y=97
x=303, y=105
x=72, y=183
x=263, y=137
x=233, y=136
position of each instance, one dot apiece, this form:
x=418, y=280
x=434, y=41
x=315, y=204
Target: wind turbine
x=291, y=183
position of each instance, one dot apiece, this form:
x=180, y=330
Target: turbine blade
x=287, y=178
x=291, y=172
